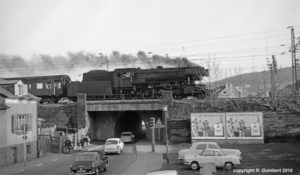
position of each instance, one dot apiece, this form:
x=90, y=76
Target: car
x=65, y=100
x=163, y=172
x=113, y=145
x=92, y=162
x=198, y=147
x=215, y=156
x=127, y=137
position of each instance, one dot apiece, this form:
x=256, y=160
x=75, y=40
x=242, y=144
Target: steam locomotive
x=124, y=83
x=142, y=83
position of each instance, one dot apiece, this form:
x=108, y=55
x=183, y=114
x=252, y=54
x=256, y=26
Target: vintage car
x=163, y=172
x=89, y=163
x=216, y=156
x=198, y=147
x=127, y=137
x=113, y=145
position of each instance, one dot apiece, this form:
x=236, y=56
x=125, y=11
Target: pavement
x=43, y=161
x=145, y=160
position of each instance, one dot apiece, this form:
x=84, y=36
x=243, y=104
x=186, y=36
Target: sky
x=235, y=33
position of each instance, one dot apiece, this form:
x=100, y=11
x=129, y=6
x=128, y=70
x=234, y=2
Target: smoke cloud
x=75, y=64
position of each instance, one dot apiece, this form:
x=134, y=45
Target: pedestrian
x=88, y=140
x=68, y=145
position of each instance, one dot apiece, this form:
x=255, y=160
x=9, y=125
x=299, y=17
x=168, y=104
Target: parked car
x=89, y=163
x=65, y=100
x=164, y=172
x=216, y=156
x=127, y=137
x=198, y=147
x=113, y=145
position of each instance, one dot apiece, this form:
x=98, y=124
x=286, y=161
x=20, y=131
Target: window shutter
x=14, y=123
x=29, y=121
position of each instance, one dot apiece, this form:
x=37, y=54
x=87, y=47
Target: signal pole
x=152, y=126
x=273, y=73
x=294, y=60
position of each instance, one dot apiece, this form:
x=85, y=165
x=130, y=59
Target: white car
x=113, y=145
x=198, y=147
x=164, y=172
x=215, y=156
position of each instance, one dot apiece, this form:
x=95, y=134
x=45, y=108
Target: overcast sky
x=237, y=32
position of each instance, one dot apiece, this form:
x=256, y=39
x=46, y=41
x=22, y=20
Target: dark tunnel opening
x=130, y=121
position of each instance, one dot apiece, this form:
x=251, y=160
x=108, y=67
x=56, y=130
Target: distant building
x=228, y=91
x=18, y=112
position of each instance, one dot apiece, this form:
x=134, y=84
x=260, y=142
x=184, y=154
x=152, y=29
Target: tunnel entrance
x=130, y=121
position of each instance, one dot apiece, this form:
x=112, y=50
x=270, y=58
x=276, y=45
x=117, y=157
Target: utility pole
x=294, y=60
x=273, y=73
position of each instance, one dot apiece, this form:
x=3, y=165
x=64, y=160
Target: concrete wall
x=60, y=115
x=103, y=124
x=277, y=125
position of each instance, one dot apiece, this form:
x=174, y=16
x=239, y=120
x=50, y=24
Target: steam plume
x=76, y=63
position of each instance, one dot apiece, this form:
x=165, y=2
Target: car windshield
x=85, y=157
x=108, y=142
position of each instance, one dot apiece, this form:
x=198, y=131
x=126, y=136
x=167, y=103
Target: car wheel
x=228, y=166
x=195, y=165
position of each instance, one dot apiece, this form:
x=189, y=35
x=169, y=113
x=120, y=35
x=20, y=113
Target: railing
x=121, y=97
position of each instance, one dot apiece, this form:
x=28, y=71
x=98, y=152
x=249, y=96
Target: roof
x=29, y=77
x=2, y=81
x=7, y=94
x=204, y=142
x=3, y=106
x=38, y=78
x=113, y=139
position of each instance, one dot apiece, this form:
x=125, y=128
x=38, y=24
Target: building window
x=29, y=86
x=48, y=85
x=28, y=149
x=39, y=86
x=19, y=121
x=58, y=85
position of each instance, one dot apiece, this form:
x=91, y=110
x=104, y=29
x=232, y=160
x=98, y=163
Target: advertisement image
x=207, y=125
x=244, y=125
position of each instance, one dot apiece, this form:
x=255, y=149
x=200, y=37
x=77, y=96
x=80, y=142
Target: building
x=227, y=91
x=18, y=113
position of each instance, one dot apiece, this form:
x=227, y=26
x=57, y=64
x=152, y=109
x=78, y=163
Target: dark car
x=127, y=137
x=89, y=163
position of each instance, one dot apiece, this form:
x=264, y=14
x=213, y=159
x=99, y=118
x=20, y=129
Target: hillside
x=258, y=82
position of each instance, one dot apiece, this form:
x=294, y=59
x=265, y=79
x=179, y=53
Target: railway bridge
x=108, y=118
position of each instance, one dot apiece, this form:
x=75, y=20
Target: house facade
x=18, y=123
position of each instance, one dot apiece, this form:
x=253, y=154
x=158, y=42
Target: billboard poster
x=208, y=125
x=244, y=125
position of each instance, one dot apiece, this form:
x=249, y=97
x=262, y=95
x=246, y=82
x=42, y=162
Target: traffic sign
x=24, y=127
x=159, y=124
